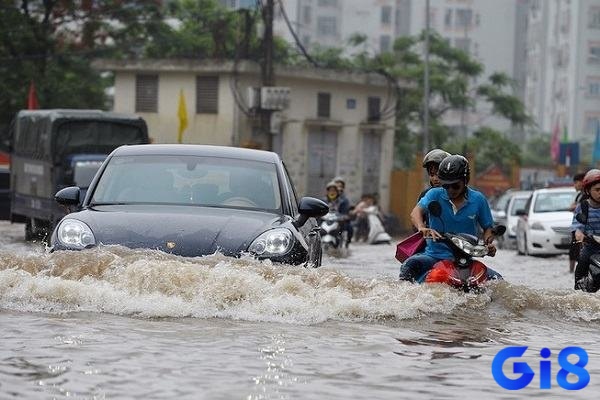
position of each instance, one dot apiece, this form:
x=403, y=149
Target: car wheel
x=29, y=233
x=519, y=245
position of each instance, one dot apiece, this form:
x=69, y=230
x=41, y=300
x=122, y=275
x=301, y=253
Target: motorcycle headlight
x=473, y=250
x=275, y=242
x=75, y=234
x=537, y=226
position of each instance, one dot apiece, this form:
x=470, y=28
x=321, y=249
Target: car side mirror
x=581, y=218
x=310, y=207
x=521, y=212
x=68, y=196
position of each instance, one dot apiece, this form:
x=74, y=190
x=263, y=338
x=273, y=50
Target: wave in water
x=155, y=284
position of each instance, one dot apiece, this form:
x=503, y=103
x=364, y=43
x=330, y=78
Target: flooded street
x=113, y=323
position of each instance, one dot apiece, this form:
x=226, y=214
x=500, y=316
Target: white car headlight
x=537, y=226
x=75, y=234
x=275, y=242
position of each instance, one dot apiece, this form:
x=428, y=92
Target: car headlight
x=275, y=242
x=537, y=226
x=75, y=234
x=468, y=248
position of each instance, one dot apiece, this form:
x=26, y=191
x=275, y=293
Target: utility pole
x=426, y=83
x=426, y=89
x=267, y=76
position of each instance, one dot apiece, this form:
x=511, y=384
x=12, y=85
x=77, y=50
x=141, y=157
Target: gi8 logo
x=527, y=374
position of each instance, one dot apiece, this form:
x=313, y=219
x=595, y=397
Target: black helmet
x=454, y=168
x=435, y=156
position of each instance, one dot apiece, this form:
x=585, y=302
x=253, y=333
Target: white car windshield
x=552, y=202
x=518, y=204
x=188, y=180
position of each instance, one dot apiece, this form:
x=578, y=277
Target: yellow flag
x=182, y=114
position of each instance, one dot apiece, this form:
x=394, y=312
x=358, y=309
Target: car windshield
x=501, y=202
x=556, y=201
x=188, y=180
x=518, y=204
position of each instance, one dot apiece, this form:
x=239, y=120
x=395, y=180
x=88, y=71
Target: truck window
x=94, y=137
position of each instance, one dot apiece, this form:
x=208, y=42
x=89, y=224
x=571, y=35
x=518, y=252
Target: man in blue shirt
x=463, y=209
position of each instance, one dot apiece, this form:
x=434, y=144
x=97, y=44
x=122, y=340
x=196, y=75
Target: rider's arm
x=416, y=217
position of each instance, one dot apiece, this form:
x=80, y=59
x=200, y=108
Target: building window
x=323, y=105
x=146, y=93
x=306, y=15
x=593, y=86
x=207, y=94
x=327, y=26
x=306, y=40
x=386, y=15
x=463, y=43
x=594, y=52
x=373, y=109
x=594, y=17
x=448, y=18
x=327, y=3
x=464, y=18
x=385, y=43
x=592, y=123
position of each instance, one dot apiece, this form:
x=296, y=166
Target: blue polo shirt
x=474, y=211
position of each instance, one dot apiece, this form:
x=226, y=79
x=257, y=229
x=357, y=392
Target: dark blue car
x=193, y=200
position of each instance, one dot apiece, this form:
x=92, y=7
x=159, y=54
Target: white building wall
x=232, y=127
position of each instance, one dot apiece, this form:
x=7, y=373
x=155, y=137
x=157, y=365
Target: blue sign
x=519, y=367
x=569, y=154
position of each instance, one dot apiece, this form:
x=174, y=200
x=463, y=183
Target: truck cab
x=53, y=149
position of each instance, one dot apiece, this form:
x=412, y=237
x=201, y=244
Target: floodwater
x=113, y=323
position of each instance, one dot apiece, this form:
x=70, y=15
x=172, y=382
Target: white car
x=544, y=224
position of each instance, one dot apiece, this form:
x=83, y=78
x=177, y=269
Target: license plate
x=565, y=240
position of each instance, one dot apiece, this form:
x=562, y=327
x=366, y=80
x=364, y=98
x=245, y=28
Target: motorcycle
x=591, y=282
x=333, y=236
x=377, y=233
x=464, y=272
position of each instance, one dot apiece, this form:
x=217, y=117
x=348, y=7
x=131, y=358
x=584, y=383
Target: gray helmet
x=435, y=156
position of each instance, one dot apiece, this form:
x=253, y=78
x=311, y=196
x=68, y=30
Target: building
x=337, y=123
x=563, y=67
x=493, y=32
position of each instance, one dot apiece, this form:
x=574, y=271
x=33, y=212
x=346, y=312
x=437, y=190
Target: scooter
x=591, y=282
x=333, y=236
x=464, y=272
x=377, y=233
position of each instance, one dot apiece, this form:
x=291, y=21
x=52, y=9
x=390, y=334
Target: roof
x=54, y=114
x=243, y=67
x=198, y=150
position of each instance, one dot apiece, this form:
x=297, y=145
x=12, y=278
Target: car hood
x=182, y=230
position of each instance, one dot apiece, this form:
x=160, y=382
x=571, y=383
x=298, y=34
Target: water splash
x=152, y=284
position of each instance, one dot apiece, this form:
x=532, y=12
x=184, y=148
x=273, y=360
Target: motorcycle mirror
x=435, y=208
x=499, y=230
x=581, y=218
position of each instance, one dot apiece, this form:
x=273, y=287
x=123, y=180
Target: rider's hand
x=430, y=233
x=579, y=236
x=491, y=250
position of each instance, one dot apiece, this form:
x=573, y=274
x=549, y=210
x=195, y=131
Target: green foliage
x=53, y=42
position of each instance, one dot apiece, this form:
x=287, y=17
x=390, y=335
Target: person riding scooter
x=462, y=209
x=586, y=225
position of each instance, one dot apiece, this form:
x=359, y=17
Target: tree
x=53, y=42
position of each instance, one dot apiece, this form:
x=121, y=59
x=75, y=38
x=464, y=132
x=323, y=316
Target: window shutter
x=374, y=109
x=146, y=93
x=207, y=94
x=323, y=105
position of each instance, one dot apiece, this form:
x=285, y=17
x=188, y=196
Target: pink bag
x=409, y=246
